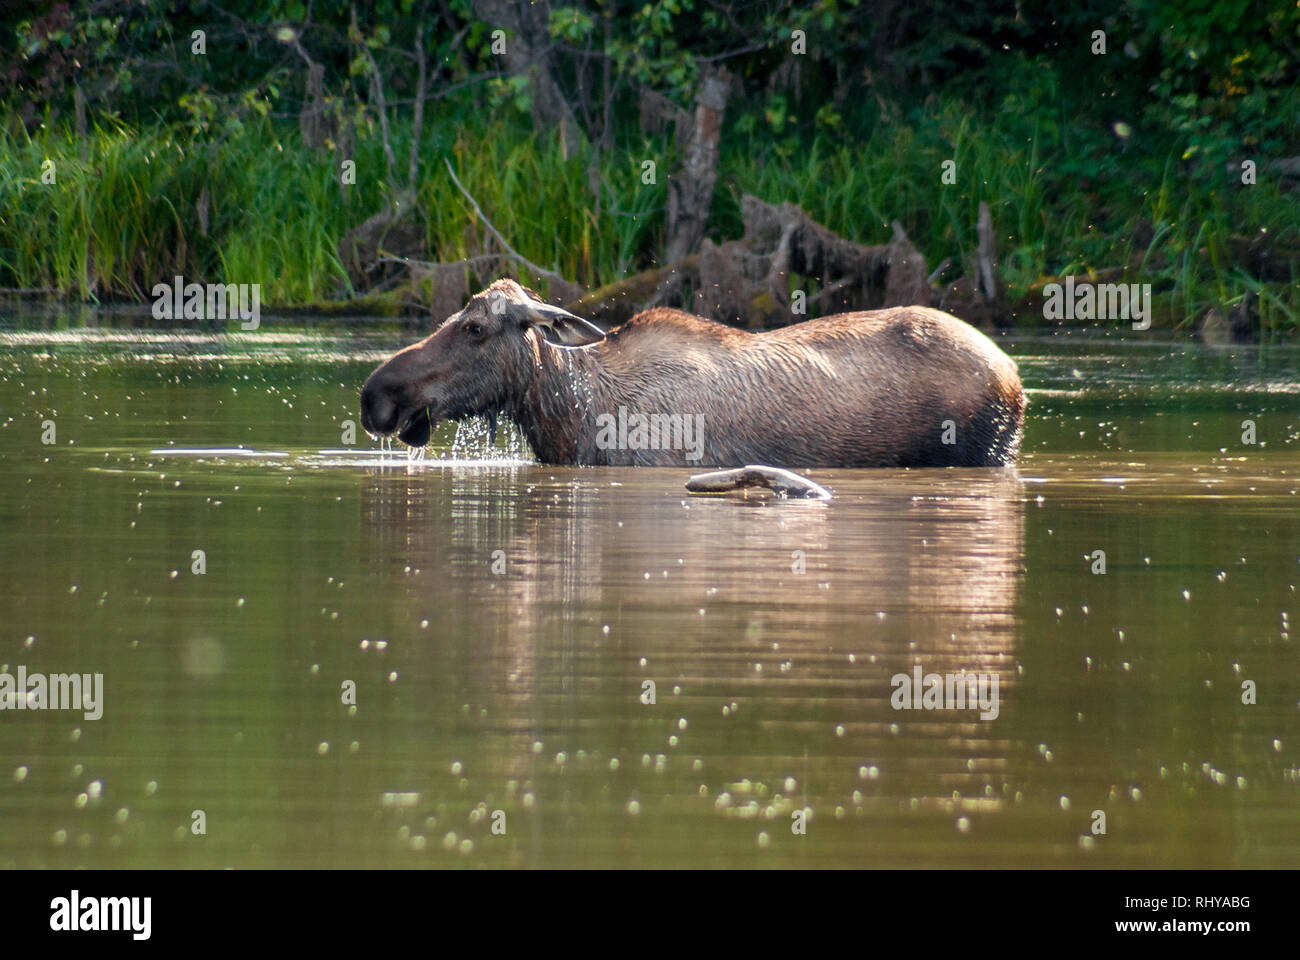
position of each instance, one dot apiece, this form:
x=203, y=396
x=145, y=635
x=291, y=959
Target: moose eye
x=474, y=329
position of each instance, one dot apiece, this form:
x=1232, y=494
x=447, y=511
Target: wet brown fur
x=870, y=389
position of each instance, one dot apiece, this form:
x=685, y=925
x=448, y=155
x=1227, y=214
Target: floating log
x=619, y=301
x=784, y=483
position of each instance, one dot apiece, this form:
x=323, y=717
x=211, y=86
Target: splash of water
x=581, y=384
x=473, y=441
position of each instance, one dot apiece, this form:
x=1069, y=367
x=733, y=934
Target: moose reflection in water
x=557, y=582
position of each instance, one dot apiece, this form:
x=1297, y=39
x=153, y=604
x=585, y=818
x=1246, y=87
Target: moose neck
x=553, y=406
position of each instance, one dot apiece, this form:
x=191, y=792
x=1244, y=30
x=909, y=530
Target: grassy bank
x=132, y=207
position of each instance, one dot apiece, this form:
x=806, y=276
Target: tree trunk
x=526, y=56
x=690, y=193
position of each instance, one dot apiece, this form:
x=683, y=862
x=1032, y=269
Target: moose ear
x=559, y=326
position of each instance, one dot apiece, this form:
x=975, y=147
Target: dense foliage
x=1089, y=160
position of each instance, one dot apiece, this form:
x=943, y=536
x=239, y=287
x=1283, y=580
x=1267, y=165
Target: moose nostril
x=378, y=412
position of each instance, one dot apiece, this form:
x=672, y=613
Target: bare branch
x=835, y=287
x=414, y=164
x=467, y=261
x=377, y=86
x=752, y=48
x=938, y=271
x=540, y=271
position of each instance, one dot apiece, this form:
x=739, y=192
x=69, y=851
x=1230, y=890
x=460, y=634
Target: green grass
x=1047, y=222
x=127, y=215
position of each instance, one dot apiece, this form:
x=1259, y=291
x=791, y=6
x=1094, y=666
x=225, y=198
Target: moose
x=900, y=387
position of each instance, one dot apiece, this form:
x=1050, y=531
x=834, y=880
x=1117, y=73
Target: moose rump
x=903, y=387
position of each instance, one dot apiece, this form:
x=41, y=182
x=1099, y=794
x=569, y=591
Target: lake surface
x=444, y=662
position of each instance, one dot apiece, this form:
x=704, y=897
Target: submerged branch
x=784, y=483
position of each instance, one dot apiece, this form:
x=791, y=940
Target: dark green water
x=519, y=689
